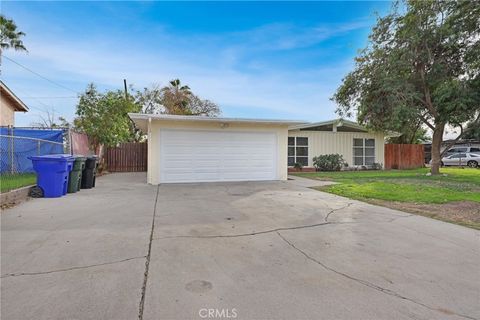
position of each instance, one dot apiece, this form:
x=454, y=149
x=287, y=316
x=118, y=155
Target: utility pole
x=125, y=87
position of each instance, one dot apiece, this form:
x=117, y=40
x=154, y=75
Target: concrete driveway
x=253, y=250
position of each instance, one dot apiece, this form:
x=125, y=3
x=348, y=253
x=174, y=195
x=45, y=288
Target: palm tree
x=176, y=98
x=9, y=36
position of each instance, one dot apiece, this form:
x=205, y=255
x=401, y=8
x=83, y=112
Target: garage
x=184, y=149
x=198, y=155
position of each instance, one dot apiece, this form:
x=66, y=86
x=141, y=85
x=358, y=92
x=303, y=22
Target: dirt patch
x=465, y=213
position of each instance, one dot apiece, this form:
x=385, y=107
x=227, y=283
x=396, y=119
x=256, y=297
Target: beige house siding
x=154, y=132
x=325, y=142
x=6, y=112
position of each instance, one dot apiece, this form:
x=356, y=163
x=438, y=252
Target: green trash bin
x=75, y=177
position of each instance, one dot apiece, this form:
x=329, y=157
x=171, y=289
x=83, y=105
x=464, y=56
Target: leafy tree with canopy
x=411, y=133
x=150, y=100
x=174, y=99
x=10, y=38
x=201, y=107
x=104, y=116
x=472, y=131
x=422, y=63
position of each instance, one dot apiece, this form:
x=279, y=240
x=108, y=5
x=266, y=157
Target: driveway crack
x=335, y=210
x=246, y=234
x=254, y=233
x=68, y=269
x=147, y=260
x=366, y=283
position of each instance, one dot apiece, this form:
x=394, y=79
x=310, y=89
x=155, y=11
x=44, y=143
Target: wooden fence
x=404, y=156
x=127, y=157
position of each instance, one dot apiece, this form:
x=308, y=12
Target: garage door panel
x=232, y=151
x=206, y=165
x=249, y=163
x=261, y=152
x=207, y=156
x=190, y=156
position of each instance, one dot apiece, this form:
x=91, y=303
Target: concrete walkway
x=256, y=250
x=308, y=183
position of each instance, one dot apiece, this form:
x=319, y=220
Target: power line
x=58, y=97
x=24, y=96
x=39, y=75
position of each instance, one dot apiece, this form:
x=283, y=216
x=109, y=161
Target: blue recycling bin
x=52, y=173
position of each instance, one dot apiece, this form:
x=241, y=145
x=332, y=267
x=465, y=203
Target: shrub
x=328, y=162
x=298, y=166
x=377, y=166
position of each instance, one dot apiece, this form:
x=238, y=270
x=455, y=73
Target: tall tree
x=104, y=116
x=472, y=131
x=422, y=63
x=174, y=99
x=200, y=107
x=150, y=100
x=411, y=133
x=10, y=38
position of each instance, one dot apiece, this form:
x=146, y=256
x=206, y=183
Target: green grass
x=404, y=185
x=10, y=182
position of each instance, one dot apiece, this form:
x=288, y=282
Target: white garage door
x=195, y=156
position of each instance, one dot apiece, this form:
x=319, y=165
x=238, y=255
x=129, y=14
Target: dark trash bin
x=52, y=173
x=70, y=161
x=75, y=177
x=89, y=173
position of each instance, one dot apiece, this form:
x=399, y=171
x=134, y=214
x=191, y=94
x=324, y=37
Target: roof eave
x=181, y=118
x=338, y=122
x=19, y=105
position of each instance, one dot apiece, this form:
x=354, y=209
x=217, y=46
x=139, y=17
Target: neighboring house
x=9, y=104
x=201, y=149
x=357, y=145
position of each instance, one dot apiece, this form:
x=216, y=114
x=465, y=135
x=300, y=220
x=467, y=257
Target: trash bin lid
x=52, y=157
x=79, y=157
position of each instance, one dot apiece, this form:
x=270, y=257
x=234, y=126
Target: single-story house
x=202, y=149
x=9, y=104
x=357, y=145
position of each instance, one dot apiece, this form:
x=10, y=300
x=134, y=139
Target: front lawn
x=10, y=182
x=409, y=190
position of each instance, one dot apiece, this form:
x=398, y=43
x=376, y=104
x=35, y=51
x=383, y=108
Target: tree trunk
x=437, y=140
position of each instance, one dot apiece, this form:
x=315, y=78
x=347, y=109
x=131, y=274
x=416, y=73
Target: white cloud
x=211, y=68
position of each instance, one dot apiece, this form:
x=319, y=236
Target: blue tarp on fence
x=25, y=143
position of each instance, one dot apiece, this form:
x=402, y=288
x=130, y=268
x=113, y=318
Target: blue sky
x=254, y=59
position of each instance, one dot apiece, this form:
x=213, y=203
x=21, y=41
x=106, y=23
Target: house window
x=297, y=151
x=363, y=152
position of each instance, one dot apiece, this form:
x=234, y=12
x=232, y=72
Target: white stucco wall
x=325, y=142
x=155, y=131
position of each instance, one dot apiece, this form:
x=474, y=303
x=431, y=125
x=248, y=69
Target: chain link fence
x=16, y=169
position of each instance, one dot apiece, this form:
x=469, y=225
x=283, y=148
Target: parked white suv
x=462, y=150
x=460, y=159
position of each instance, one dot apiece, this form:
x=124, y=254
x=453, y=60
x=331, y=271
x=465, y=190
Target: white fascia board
x=163, y=117
x=335, y=122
